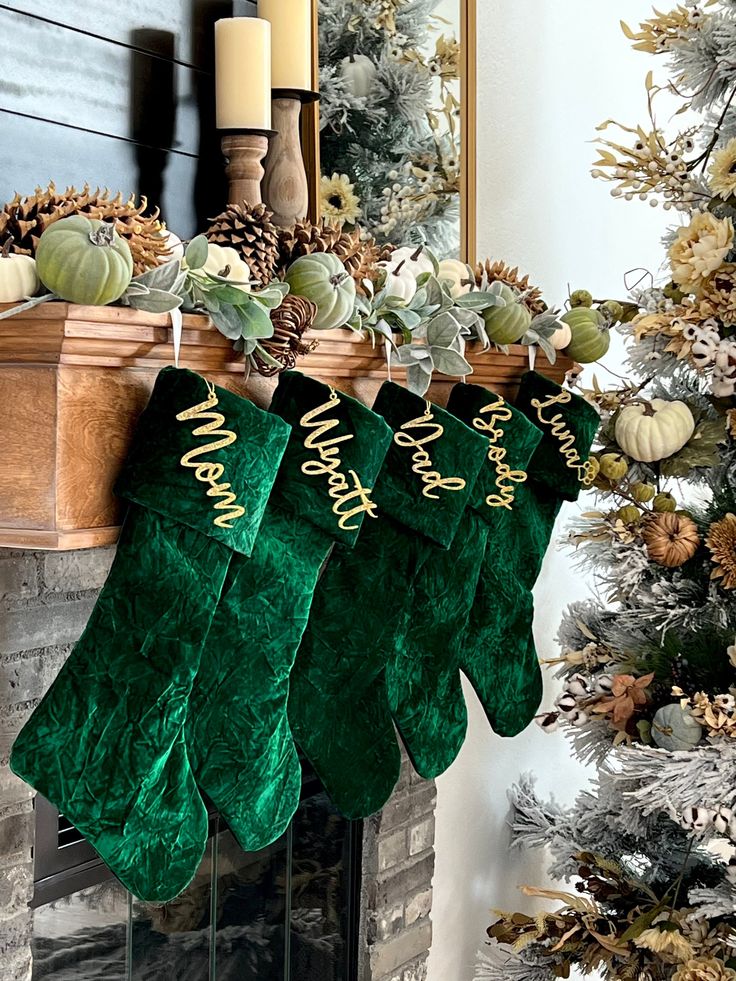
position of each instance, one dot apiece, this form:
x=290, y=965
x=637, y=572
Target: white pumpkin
x=412, y=258
x=226, y=263
x=561, y=337
x=18, y=277
x=457, y=275
x=401, y=283
x=653, y=431
x=359, y=72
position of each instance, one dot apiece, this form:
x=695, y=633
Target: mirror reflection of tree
x=390, y=118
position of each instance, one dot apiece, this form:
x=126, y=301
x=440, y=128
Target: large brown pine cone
x=25, y=219
x=251, y=232
x=295, y=316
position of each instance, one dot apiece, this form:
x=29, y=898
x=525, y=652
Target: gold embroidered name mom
x=210, y=473
x=506, y=478
x=423, y=467
x=329, y=464
x=559, y=430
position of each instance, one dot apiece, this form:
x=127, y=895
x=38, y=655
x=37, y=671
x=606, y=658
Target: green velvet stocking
x=241, y=746
x=423, y=676
x=106, y=745
x=338, y=707
x=499, y=656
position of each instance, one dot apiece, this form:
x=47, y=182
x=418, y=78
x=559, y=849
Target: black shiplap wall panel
x=120, y=95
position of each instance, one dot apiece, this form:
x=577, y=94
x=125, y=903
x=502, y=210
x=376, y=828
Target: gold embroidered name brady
x=210, y=473
x=423, y=467
x=329, y=464
x=506, y=478
x=562, y=433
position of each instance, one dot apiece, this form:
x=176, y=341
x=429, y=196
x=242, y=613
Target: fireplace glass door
x=287, y=913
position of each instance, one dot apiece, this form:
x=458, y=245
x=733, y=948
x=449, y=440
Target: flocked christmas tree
x=390, y=119
x=649, y=665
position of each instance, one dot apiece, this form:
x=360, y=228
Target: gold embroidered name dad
x=205, y=471
x=424, y=430
x=329, y=464
x=559, y=430
x=506, y=478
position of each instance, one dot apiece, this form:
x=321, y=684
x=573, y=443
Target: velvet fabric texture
x=423, y=676
x=500, y=657
x=239, y=739
x=338, y=704
x=106, y=745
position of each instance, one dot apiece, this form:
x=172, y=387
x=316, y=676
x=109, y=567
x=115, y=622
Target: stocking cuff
x=569, y=425
x=334, y=456
x=510, y=444
x=205, y=458
x=431, y=467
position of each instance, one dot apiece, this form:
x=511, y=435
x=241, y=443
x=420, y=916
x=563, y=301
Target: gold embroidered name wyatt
x=422, y=461
x=329, y=464
x=506, y=478
x=559, y=430
x=210, y=473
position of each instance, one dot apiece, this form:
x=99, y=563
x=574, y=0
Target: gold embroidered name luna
x=329, y=464
x=506, y=478
x=567, y=439
x=423, y=465
x=210, y=473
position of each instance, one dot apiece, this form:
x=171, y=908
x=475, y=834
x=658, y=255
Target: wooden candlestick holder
x=244, y=151
x=285, y=187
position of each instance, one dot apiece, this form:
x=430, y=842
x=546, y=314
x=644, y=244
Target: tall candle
x=291, y=42
x=243, y=70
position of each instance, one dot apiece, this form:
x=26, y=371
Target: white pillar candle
x=291, y=42
x=243, y=71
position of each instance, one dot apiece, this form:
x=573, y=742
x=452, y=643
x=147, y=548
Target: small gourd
x=174, y=244
x=84, y=261
x=359, y=73
x=507, y=325
x=590, y=338
x=675, y=728
x=323, y=279
x=456, y=275
x=18, y=276
x=227, y=263
x=561, y=337
x=413, y=259
x=656, y=430
x=401, y=283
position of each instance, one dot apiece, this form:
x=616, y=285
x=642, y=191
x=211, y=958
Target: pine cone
x=25, y=219
x=671, y=539
x=360, y=255
x=251, y=232
x=295, y=316
x=500, y=272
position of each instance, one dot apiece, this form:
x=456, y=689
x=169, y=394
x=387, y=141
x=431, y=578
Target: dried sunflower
x=720, y=293
x=340, y=203
x=721, y=540
x=704, y=969
x=722, y=171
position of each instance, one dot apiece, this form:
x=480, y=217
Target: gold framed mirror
x=397, y=122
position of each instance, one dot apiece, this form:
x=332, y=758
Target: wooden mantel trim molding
x=74, y=379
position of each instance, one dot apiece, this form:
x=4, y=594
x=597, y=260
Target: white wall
x=549, y=72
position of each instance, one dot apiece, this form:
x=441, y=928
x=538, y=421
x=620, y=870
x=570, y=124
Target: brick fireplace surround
x=45, y=601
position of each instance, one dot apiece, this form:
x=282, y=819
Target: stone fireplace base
x=45, y=601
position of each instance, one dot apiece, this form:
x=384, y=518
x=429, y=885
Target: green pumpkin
x=674, y=728
x=507, y=325
x=590, y=340
x=84, y=261
x=323, y=279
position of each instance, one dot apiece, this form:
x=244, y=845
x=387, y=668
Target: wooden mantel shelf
x=73, y=381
